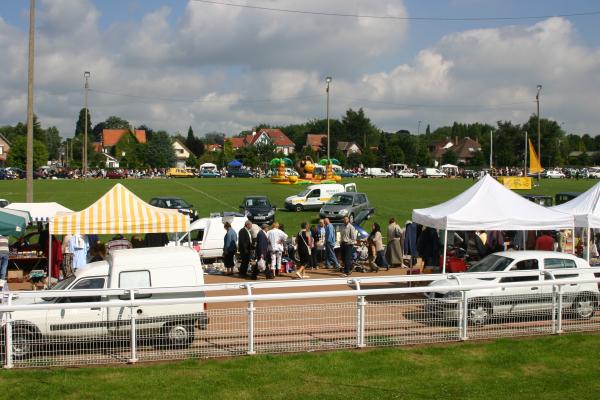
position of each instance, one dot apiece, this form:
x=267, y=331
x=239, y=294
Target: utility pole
x=84, y=156
x=29, y=166
x=328, y=80
x=537, y=99
x=491, y=149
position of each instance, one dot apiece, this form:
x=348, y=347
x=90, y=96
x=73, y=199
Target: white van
x=433, y=173
x=207, y=235
x=314, y=196
x=154, y=267
x=377, y=173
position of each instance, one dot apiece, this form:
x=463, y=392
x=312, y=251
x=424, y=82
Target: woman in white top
x=276, y=238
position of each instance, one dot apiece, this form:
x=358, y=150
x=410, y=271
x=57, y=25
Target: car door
x=521, y=299
x=313, y=199
x=562, y=268
x=79, y=322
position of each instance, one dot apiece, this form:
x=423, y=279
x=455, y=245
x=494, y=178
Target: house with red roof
x=266, y=136
x=315, y=141
x=110, y=141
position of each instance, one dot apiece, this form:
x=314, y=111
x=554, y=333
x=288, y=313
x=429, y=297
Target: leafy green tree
x=357, y=125
x=17, y=157
x=80, y=125
x=196, y=145
x=114, y=122
x=477, y=160
x=97, y=131
x=449, y=157
x=53, y=142
x=159, y=151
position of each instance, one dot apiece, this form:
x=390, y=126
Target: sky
x=215, y=67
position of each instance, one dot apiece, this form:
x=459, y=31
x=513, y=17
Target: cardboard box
x=14, y=276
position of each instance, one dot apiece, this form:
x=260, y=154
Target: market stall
x=488, y=205
x=585, y=209
x=119, y=211
x=40, y=212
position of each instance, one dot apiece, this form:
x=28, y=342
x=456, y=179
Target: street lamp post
x=537, y=99
x=84, y=156
x=491, y=149
x=419, y=128
x=29, y=163
x=328, y=80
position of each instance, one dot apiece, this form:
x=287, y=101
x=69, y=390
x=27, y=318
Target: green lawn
x=559, y=367
x=390, y=197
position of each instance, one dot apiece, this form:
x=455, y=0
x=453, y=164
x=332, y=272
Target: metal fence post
x=8, y=350
x=250, y=311
x=560, y=307
x=360, y=316
x=464, y=316
x=133, y=336
x=555, y=310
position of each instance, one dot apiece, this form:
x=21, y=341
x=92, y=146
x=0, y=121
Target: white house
x=182, y=153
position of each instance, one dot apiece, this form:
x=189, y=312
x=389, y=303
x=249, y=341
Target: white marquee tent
x=585, y=209
x=488, y=205
x=40, y=212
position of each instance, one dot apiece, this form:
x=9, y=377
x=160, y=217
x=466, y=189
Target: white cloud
x=226, y=60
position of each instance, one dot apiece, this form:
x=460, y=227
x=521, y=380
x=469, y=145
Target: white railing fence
x=127, y=326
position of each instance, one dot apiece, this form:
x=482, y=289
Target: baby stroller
x=360, y=258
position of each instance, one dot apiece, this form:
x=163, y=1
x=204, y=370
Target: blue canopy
x=235, y=164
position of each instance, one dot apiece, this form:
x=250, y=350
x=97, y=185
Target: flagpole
x=525, y=169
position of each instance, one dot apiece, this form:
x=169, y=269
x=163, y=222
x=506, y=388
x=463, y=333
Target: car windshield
x=177, y=203
x=304, y=193
x=60, y=285
x=257, y=202
x=341, y=200
x=491, y=263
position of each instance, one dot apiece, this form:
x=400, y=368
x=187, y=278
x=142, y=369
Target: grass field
x=390, y=197
x=559, y=367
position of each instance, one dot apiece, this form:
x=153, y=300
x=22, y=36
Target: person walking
x=348, y=240
x=330, y=258
x=229, y=248
x=320, y=242
x=394, y=252
x=4, y=254
x=303, y=242
x=314, y=233
x=376, y=240
x=277, y=239
x=245, y=248
x=261, y=254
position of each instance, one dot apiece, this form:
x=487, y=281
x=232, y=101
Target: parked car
x=17, y=173
x=179, y=173
x=4, y=203
x=175, y=203
x=563, y=197
x=377, y=173
x=433, y=173
x=346, y=174
x=353, y=205
x=581, y=299
x=208, y=173
x=554, y=174
x=115, y=174
x=170, y=325
x=593, y=172
x=258, y=209
x=314, y=196
x=406, y=174
x=238, y=173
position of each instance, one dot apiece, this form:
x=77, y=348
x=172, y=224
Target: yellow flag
x=534, y=162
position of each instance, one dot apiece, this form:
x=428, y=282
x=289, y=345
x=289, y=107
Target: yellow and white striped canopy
x=119, y=211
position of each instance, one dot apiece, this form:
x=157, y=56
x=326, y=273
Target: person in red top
x=544, y=242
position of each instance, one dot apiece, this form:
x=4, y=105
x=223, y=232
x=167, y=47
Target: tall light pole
x=419, y=128
x=537, y=99
x=29, y=165
x=84, y=155
x=328, y=80
x=491, y=149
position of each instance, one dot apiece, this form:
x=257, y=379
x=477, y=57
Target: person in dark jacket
x=262, y=253
x=428, y=246
x=229, y=248
x=245, y=248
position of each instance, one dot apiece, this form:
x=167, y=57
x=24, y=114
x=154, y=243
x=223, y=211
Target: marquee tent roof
x=11, y=224
x=119, y=211
x=39, y=211
x=489, y=205
x=585, y=208
x=18, y=213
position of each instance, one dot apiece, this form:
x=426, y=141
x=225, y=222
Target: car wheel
x=178, y=335
x=299, y=207
x=351, y=218
x=479, y=313
x=23, y=341
x=583, y=306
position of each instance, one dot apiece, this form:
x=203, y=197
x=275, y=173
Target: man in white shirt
x=276, y=238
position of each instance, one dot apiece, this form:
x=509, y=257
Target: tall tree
x=356, y=125
x=80, y=125
x=160, y=152
x=114, y=122
x=17, y=157
x=194, y=144
x=97, y=131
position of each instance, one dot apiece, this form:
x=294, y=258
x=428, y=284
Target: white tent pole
x=445, y=247
x=49, y=258
x=573, y=241
x=189, y=233
x=587, y=255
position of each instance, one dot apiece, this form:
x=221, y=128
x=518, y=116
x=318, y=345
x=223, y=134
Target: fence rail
x=124, y=325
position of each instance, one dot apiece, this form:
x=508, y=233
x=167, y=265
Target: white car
x=406, y=174
x=581, y=299
x=593, y=172
x=555, y=174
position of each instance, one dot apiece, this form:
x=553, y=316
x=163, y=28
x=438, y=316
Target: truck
x=170, y=325
x=377, y=173
x=314, y=196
